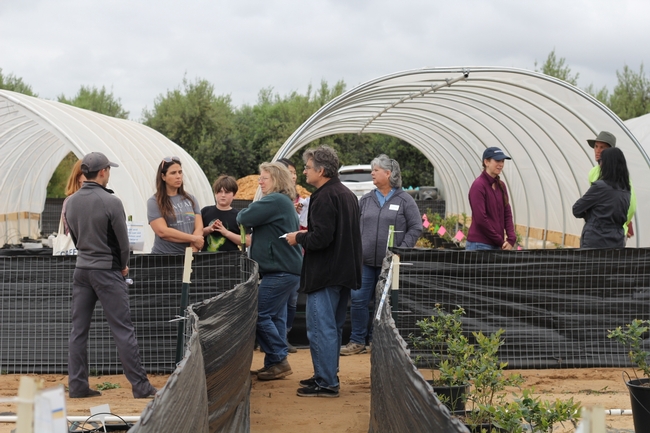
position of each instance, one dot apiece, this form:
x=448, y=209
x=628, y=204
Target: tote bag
x=63, y=244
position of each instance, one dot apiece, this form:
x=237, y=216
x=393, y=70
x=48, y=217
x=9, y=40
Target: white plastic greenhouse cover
x=640, y=128
x=452, y=114
x=35, y=136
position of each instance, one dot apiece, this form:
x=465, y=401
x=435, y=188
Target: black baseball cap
x=495, y=153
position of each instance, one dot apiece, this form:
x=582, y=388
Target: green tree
x=59, y=180
x=15, y=84
x=361, y=149
x=631, y=96
x=263, y=128
x=97, y=100
x=602, y=95
x=200, y=122
x=557, y=68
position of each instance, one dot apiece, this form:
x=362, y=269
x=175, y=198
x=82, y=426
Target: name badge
x=393, y=207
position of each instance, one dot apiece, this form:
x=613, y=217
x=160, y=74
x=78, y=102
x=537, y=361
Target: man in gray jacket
x=98, y=227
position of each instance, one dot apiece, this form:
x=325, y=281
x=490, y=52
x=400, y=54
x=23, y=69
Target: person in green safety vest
x=603, y=141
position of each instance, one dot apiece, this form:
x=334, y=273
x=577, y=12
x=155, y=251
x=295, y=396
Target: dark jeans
x=359, y=311
x=271, y=331
x=326, y=311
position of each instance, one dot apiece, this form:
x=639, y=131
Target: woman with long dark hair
x=173, y=214
x=492, y=225
x=606, y=203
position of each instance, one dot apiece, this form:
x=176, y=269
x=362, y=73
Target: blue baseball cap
x=495, y=153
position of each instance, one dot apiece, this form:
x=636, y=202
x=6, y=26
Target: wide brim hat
x=605, y=137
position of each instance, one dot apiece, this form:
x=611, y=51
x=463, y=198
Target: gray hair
x=323, y=157
x=385, y=163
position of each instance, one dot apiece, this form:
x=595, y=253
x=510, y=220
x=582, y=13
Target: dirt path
x=276, y=408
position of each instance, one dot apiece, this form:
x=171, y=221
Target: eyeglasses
x=263, y=179
x=308, y=167
x=170, y=159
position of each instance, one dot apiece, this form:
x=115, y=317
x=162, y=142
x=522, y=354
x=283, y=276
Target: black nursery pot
x=455, y=396
x=640, y=398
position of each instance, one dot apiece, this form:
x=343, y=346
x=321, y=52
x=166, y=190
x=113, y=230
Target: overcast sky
x=140, y=49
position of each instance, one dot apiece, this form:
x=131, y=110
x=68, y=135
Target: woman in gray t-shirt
x=173, y=214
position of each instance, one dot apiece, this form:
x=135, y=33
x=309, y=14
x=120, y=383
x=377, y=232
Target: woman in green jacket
x=280, y=264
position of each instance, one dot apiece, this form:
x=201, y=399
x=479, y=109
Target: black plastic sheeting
x=210, y=389
x=556, y=306
x=401, y=400
x=35, y=309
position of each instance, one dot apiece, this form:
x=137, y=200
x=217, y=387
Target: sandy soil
x=276, y=408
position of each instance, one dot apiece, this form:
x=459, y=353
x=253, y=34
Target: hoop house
x=36, y=134
x=452, y=114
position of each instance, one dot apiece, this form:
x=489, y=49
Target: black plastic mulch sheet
x=401, y=400
x=210, y=389
x=35, y=310
x=555, y=306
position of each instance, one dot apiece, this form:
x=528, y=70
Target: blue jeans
x=326, y=311
x=359, y=312
x=475, y=246
x=291, y=308
x=271, y=332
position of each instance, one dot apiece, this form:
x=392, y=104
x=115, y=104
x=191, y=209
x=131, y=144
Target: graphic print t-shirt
x=216, y=241
x=183, y=220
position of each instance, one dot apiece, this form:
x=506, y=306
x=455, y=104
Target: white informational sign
x=136, y=236
x=49, y=411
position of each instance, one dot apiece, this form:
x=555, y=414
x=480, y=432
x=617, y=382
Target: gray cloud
x=142, y=49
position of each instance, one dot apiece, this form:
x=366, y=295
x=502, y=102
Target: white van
x=358, y=178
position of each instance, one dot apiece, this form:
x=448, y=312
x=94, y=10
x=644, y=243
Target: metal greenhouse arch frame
x=452, y=114
x=36, y=134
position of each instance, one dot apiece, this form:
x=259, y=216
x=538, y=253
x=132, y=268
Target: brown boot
x=276, y=371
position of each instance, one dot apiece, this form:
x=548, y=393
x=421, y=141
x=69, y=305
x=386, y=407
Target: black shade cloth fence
x=401, y=400
x=35, y=310
x=555, y=306
x=210, y=389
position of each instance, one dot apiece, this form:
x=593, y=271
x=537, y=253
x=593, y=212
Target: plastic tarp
x=401, y=400
x=452, y=115
x=36, y=134
x=210, y=389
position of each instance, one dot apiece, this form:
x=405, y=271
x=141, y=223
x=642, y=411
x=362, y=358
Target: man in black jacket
x=98, y=227
x=330, y=269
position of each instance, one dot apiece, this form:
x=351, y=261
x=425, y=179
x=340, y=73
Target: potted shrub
x=442, y=336
x=632, y=337
x=532, y=414
x=477, y=372
x=489, y=381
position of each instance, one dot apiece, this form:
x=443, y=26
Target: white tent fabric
x=640, y=128
x=452, y=114
x=36, y=134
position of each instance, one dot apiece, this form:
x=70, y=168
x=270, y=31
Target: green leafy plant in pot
x=442, y=336
x=489, y=381
x=632, y=337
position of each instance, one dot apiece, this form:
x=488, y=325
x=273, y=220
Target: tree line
x=225, y=139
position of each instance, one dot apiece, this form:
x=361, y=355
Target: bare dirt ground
x=276, y=408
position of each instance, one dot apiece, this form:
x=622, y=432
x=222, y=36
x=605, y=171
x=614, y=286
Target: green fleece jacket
x=271, y=217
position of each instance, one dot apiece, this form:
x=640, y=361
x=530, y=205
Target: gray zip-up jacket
x=98, y=228
x=400, y=211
